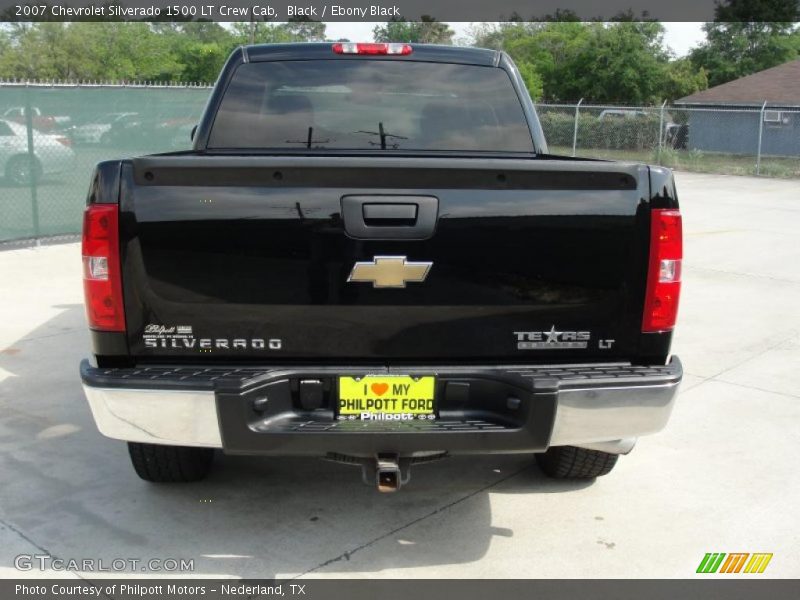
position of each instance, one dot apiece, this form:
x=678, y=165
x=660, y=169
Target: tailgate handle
x=390, y=217
x=390, y=214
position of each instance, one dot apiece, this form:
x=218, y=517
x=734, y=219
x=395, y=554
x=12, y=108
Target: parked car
x=52, y=153
x=41, y=121
x=370, y=256
x=144, y=132
x=129, y=130
x=174, y=133
x=93, y=131
x=621, y=113
x=182, y=136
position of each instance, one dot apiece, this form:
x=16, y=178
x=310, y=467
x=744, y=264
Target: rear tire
x=569, y=462
x=170, y=464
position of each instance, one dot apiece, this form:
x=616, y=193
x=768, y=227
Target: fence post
x=575, y=132
x=760, y=131
x=32, y=164
x=661, y=131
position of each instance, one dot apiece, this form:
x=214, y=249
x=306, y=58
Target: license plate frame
x=386, y=398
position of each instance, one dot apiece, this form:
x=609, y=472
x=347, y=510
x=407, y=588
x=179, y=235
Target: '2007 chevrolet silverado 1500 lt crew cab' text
x=370, y=256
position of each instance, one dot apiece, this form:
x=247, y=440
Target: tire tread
x=170, y=464
x=569, y=462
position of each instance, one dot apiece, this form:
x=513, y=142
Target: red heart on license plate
x=380, y=388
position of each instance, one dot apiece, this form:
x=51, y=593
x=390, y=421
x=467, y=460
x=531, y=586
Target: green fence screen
x=52, y=135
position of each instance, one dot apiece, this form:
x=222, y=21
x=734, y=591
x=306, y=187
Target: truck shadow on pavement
x=72, y=493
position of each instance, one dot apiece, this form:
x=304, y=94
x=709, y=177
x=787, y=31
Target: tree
x=623, y=62
x=302, y=29
x=425, y=31
x=748, y=36
x=681, y=78
x=200, y=61
x=532, y=79
x=753, y=11
x=540, y=51
x=5, y=43
x=261, y=33
x=179, y=51
x=551, y=49
x=35, y=51
x=86, y=50
x=619, y=62
x=120, y=51
x=200, y=48
x=299, y=30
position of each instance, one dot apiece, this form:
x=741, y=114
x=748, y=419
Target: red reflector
x=664, y=271
x=102, y=279
x=372, y=48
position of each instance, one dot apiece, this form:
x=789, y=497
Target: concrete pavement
x=720, y=478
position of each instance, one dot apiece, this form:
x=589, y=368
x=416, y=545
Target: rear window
x=370, y=104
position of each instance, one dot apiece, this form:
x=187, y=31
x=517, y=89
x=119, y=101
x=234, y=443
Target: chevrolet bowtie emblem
x=389, y=271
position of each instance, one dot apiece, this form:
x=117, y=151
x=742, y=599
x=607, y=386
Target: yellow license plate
x=378, y=396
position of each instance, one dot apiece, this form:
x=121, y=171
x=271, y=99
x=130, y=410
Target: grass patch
x=697, y=161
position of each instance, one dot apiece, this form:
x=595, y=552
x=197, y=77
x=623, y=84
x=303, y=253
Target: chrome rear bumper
x=588, y=406
x=172, y=417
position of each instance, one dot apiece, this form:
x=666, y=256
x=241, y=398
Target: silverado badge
x=389, y=271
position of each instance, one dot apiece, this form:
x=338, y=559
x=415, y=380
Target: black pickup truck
x=370, y=256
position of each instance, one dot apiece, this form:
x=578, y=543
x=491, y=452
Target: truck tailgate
x=250, y=256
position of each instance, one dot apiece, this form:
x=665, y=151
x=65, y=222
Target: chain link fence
x=51, y=135
x=758, y=140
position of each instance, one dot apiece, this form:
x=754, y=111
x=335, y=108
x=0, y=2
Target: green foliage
x=182, y=51
x=748, y=36
x=621, y=62
x=666, y=157
x=560, y=61
x=549, y=49
x=36, y=51
x=733, y=50
x=5, y=43
x=302, y=29
x=425, y=31
x=116, y=51
x=682, y=78
x=260, y=33
x=695, y=158
x=638, y=133
x=201, y=61
x=532, y=79
x=558, y=127
x=752, y=11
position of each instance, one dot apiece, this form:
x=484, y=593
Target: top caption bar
x=376, y=10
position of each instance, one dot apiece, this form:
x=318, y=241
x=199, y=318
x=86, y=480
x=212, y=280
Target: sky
x=681, y=37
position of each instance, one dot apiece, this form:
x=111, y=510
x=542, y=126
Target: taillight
x=64, y=141
x=664, y=271
x=102, y=280
x=372, y=48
